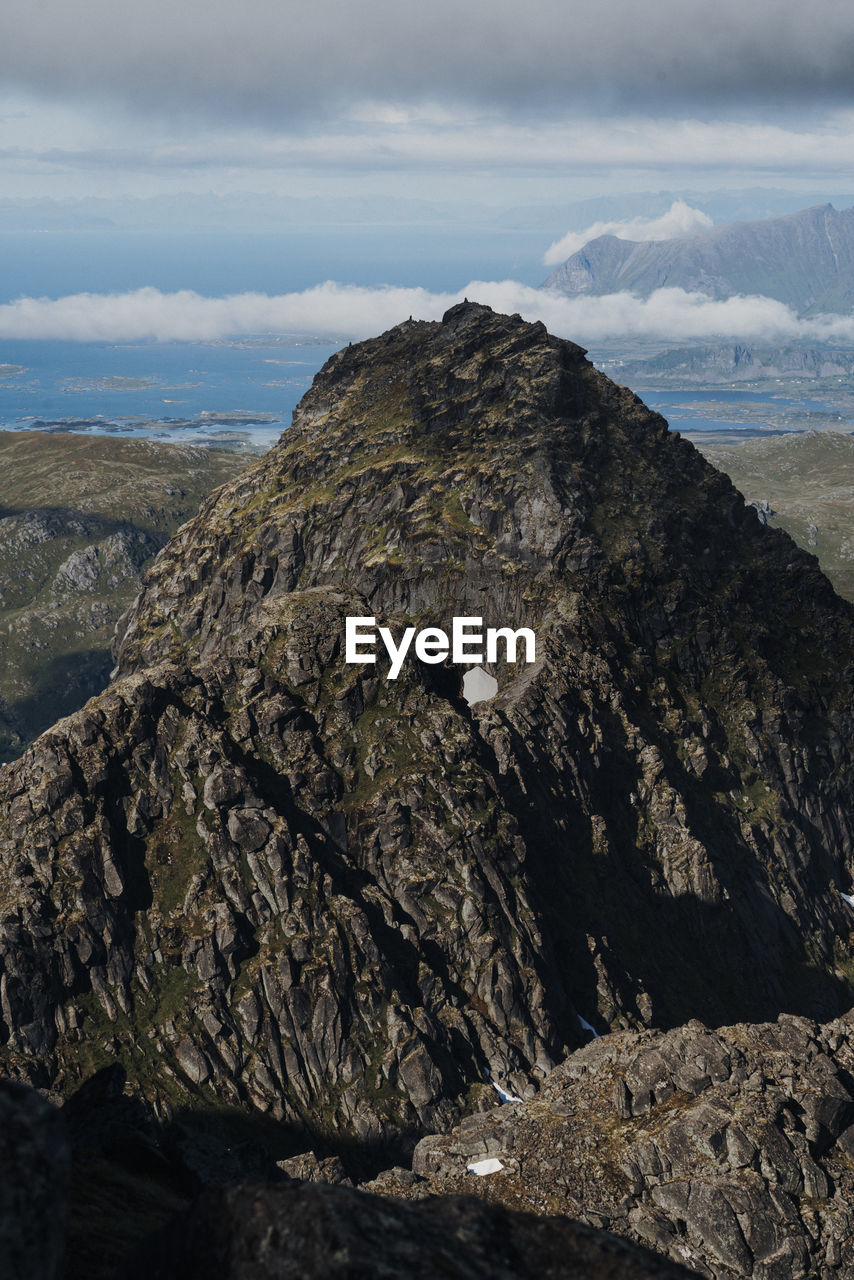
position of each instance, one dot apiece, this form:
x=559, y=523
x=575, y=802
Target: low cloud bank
x=349, y=311
x=679, y=220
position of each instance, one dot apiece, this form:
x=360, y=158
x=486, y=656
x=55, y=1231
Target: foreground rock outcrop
x=34, y=1185
x=299, y=1231
x=260, y=878
x=731, y=1151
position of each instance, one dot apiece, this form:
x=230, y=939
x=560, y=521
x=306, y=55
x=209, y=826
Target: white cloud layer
x=346, y=311
x=679, y=220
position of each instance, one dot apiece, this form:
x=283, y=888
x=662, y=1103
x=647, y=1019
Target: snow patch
x=502, y=1093
x=483, y=1167
x=505, y=1097
x=586, y=1025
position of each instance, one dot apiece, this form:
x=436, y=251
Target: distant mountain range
x=731, y=362
x=804, y=259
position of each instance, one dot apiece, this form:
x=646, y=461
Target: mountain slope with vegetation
x=803, y=483
x=267, y=891
x=81, y=519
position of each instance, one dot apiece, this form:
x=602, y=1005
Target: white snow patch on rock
x=483, y=1167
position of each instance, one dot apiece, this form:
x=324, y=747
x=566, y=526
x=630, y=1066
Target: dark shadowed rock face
x=302, y=1232
x=261, y=877
x=730, y=1151
x=34, y=1190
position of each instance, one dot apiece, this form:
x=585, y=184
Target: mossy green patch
x=174, y=854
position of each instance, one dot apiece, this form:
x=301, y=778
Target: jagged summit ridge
x=258, y=875
x=436, y=395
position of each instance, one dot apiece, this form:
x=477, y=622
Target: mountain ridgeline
x=260, y=877
x=804, y=259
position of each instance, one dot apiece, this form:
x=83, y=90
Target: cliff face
x=260, y=876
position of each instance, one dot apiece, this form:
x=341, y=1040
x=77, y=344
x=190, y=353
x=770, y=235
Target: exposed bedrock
x=257, y=876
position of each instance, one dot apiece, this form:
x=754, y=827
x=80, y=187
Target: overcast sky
x=484, y=99
x=480, y=102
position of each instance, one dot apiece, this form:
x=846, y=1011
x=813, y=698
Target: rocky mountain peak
x=259, y=876
x=417, y=468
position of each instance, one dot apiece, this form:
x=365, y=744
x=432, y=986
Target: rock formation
x=260, y=878
x=299, y=1231
x=34, y=1191
x=729, y=1151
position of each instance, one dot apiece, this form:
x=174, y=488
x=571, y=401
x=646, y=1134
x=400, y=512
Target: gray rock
x=736, y=1160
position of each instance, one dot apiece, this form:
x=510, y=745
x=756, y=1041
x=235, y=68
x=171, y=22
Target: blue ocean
x=211, y=393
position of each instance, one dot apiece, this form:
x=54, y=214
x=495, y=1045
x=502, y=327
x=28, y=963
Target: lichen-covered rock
x=261, y=877
x=730, y=1151
x=119, y=557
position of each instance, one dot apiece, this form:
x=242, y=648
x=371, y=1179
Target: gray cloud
x=276, y=61
x=631, y=142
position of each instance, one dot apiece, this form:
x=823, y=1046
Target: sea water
x=242, y=393
x=744, y=413
x=212, y=393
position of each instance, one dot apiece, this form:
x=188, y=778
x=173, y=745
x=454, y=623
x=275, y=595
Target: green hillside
x=81, y=518
x=807, y=479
